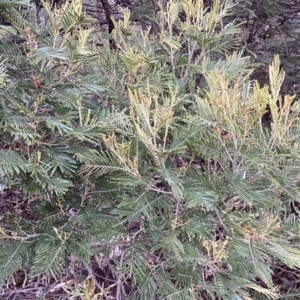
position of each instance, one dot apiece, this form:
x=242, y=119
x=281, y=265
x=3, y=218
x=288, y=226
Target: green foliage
x=153, y=157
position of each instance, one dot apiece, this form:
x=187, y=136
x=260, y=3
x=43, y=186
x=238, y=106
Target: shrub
x=148, y=163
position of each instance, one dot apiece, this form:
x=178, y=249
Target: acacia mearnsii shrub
x=144, y=171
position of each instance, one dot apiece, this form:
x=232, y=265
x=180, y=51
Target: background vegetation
x=152, y=158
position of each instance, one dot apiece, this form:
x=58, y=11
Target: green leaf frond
x=11, y=3
x=97, y=163
x=14, y=250
x=11, y=165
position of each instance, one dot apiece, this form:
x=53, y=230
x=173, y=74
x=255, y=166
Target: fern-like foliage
x=153, y=155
